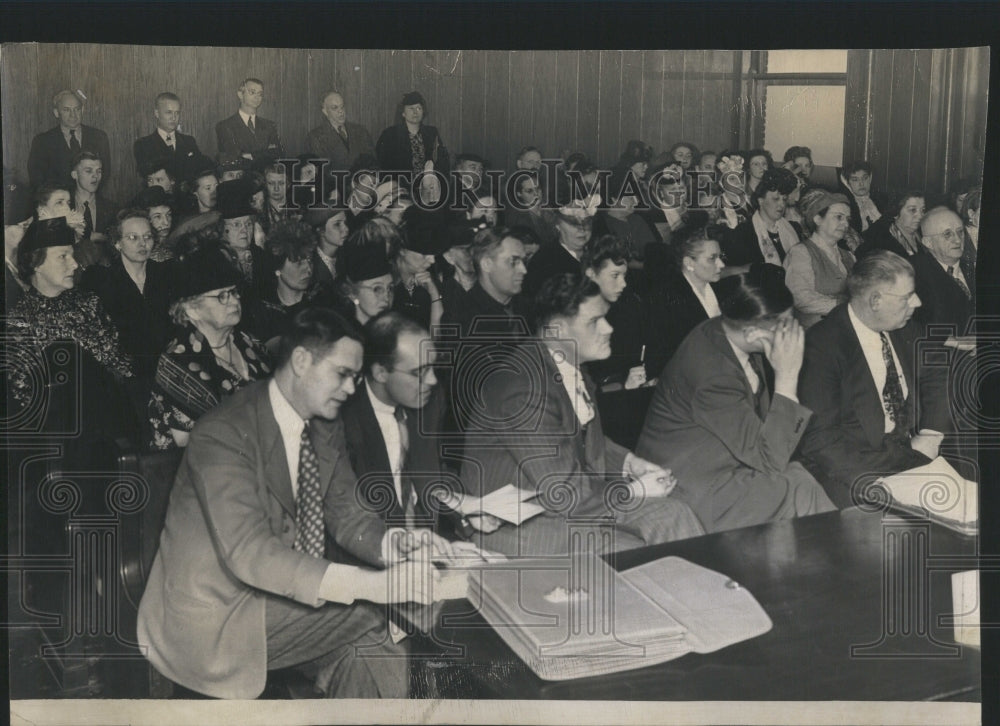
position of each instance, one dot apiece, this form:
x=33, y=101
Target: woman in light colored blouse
x=816, y=269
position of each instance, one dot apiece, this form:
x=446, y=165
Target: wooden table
x=855, y=598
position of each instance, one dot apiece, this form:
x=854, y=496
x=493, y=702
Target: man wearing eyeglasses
x=946, y=282
x=241, y=584
x=862, y=377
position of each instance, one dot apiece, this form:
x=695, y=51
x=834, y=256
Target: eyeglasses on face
x=378, y=290
x=225, y=296
x=148, y=237
x=950, y=235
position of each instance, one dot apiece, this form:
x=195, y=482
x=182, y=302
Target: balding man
x=339, y=141
x=946, y=281
x=52, y=152
x=862, y=377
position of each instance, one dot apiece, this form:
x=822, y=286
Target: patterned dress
x=190, y=381
x=36, y=321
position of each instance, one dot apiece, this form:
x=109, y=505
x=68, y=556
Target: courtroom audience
x=946, y=282
x=856, y=183
x=897, y=231
x=417, y=292
x=366, y=278
x=210, y=356
x=158, y=206
x=330, y=225
x=726, y=418
x=574, y=225
x=767, y=236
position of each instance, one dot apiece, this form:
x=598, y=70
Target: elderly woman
x=766, y=237
x=724, y=430
x=417, y=294
x=210, y=358
x=816, y=269
x=54, y=311
x=366, y=279
x=682, y=298
x=410, y=145
x=899, y=229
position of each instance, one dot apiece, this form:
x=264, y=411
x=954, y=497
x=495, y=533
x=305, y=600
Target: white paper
x=937, y=488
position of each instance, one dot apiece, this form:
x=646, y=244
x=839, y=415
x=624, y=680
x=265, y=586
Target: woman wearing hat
x=209, y=358
x=51, y=311
x=816, y=269
x=417, y=295
x=366, y=278
x=409, y=144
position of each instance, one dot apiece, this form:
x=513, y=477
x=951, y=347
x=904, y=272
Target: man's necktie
x=961, y=283
x=170, y=142
x=406, y=486
x=757, y=365
x=251, y=126
x=892, y=391
x=88, y=220
x=74, y=143
x=343, y=134
x=308, y=503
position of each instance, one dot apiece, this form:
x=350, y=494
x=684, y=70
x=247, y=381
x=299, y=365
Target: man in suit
x=239, y=585
x=539, y=429
x=862, y=376
x=52, y=152
x=386, y=442
x=339, y=141
x=245, y=133
x=98, y=212
x=945, y=277
x=169, y=143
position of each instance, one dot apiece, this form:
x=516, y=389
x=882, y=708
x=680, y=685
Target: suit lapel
x=273, y=448
x=868, y=399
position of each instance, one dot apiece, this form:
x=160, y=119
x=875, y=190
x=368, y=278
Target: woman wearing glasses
x=210, y=358
x=367, y=279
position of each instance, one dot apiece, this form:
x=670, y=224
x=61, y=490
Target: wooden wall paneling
x=651, y=109
x=351, y=75
x=671, y=115
x=718, y=100
x=567, y=104
x=130, y=115
x=369, y=108
x=449, y=96
x=497, y=107
x=692, y=98
x=977, y=74
x=399, y=71
x=856, y=105
x=609, y=109
x=631, y=99
x=880, y=103
x=424, y=65
x=587, y=102
x=521, y=98
x=550, y=122
x=932, y=134
x=472, y=87
x=54, y=74
x=899, y=116
x=217, y=83
x=922, y=143
x=322, y=74
x=24, y=113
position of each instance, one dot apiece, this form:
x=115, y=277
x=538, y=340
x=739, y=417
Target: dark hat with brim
x=194, y=224
x=233, y=199
x=163, y=162
x=47, y=233
x=154, y=196
x=232, y=162
x=364, y=262
x=206, y=269
x=425, y=232
x=412, y=98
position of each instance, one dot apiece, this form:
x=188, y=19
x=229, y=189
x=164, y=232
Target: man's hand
x=485, y=523
x=414, y=580
x=784, y=352
x=650, y=480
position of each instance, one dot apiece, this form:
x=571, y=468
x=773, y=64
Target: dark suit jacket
x=107, y=213
x=394, y=153
x=846, y=439
x=878, y=237
x=549, y=261
x=943, y=302
x=50, y=157
x=187, y=157
x=227, y=545
x=325, y=143
x=234, y=137
x=732, y=463
x=672, y=310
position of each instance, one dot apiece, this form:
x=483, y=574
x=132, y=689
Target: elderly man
x=338, y=140
x=52, y=152
x=240, y=584
x=545, y=436
x=167, y=142
x=862, y=376
x=946, y=279
x=245, y=133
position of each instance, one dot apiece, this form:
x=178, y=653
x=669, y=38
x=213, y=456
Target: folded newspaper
x=938, y=492
x=577, y=617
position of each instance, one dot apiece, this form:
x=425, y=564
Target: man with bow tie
x=167, y=142
x=245, y=133
x=339, y=141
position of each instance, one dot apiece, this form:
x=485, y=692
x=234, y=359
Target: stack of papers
x=507, y=503
x=938, y=492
